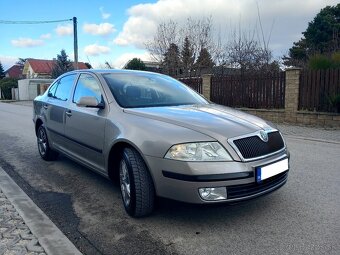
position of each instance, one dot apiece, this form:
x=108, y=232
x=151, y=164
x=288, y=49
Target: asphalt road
x=300, y=218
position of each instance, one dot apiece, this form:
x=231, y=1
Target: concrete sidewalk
x=24, y=228
x=310, y=133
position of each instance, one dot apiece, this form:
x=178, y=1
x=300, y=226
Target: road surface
x=300, y=218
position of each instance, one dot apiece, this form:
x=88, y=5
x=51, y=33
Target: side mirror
x=91, y=102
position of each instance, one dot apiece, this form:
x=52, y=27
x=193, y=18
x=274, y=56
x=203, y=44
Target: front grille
x=244, y=190
x=253, y=146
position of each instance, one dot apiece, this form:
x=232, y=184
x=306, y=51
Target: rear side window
x=53, y=88
x=62, y=89
x=87, y=86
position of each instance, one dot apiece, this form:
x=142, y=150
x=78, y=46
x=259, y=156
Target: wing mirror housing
x=90, y=102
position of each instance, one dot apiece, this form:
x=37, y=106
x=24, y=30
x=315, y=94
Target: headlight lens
x=203, y=151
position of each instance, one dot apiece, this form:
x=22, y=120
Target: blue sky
x=46, y=43
x=116, y=30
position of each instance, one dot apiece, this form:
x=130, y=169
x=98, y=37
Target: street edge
x=48, y=234
x=310, y=139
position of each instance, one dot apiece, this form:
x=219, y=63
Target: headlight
x=203, y=151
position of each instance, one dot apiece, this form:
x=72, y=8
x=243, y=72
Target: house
x=38, y=73
x=42, y=68
x=153, y=66
x=15, y=71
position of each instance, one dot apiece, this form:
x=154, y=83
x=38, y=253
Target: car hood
x=213, y=120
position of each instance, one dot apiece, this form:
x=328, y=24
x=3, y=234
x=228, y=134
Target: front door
x=85, y=126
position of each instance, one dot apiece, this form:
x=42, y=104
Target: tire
x=44, y=149
x=136, y=184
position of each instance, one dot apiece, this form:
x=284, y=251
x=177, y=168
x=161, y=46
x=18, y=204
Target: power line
x=74, y=19
x=12, y=22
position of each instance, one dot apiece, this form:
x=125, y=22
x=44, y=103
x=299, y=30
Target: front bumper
x=181, y=180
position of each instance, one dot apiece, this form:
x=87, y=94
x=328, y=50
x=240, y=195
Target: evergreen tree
x=62, y=65
x=88, y=65
x=172, y=62
x=204, y=61
x=2, y=71
x=187, y=57
x=320, y=37
x=136, y=64
x=21, y=61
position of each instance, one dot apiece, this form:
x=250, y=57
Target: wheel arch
x=38, y=123
x=115, y=153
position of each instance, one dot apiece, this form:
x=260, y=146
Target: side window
x=87, y=86
x=64, y=87
x=52, y=89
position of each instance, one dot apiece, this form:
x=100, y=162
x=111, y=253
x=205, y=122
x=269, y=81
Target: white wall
x=23, y=89
x=28, y=88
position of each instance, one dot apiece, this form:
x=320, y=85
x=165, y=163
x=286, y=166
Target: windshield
x=134, y=90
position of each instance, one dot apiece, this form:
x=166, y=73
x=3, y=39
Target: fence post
x=292, y=94
x=206, y=85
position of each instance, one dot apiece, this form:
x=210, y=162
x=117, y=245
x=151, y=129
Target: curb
x=310, y=139
x=49, y=236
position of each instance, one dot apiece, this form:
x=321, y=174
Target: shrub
x=319, y=61
x=334, y=101
x=6, y=85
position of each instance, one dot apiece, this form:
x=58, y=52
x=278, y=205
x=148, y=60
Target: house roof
x=44, y=66
x=15, y=71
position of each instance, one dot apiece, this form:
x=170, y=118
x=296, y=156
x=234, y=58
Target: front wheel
x=136, y=184
x=43, y=146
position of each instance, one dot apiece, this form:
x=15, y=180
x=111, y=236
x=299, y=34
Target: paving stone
x=311, y=132
x=15, y=237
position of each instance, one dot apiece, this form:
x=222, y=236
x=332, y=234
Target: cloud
x=105, y=15
x=26, y=42
x=8, y=61
x=290, y=17
x=46, y=36
x=95, y=50
x=63, y=30
x=125, y=57
x=100, y=29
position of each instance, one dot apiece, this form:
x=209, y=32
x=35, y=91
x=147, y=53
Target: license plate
x=265, y=172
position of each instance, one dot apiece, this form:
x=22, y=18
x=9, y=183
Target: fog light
x=213, y=194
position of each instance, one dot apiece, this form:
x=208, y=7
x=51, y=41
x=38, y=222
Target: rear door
x=85, y=127
x=59, y=96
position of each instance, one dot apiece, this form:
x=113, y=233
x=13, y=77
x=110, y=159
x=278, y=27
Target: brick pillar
x=206, y=85
x=292, y=94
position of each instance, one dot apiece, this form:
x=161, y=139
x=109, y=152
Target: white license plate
x=265, y=172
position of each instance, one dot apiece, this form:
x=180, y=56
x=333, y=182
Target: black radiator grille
x=253, y=146
x=250, y=189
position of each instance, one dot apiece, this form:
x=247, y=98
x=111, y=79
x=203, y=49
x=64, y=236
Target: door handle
x=45, y=106
x=69, y=113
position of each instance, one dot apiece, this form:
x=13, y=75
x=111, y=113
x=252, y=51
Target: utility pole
x=75, y=43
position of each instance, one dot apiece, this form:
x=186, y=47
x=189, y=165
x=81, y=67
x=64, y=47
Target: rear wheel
x=136, y=184
x=43, y=146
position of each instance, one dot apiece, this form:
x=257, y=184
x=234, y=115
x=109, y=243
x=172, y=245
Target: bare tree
x=244, y=51
x=166, y=35
x=196, y=32
x=241, y=50
x=200, y=34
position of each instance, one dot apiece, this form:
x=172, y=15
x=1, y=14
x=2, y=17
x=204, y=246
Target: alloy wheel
x=125, y=183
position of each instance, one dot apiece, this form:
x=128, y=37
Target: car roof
x=107, y=71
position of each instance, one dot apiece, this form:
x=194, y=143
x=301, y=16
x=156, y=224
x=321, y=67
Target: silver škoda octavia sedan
x=158, y=138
